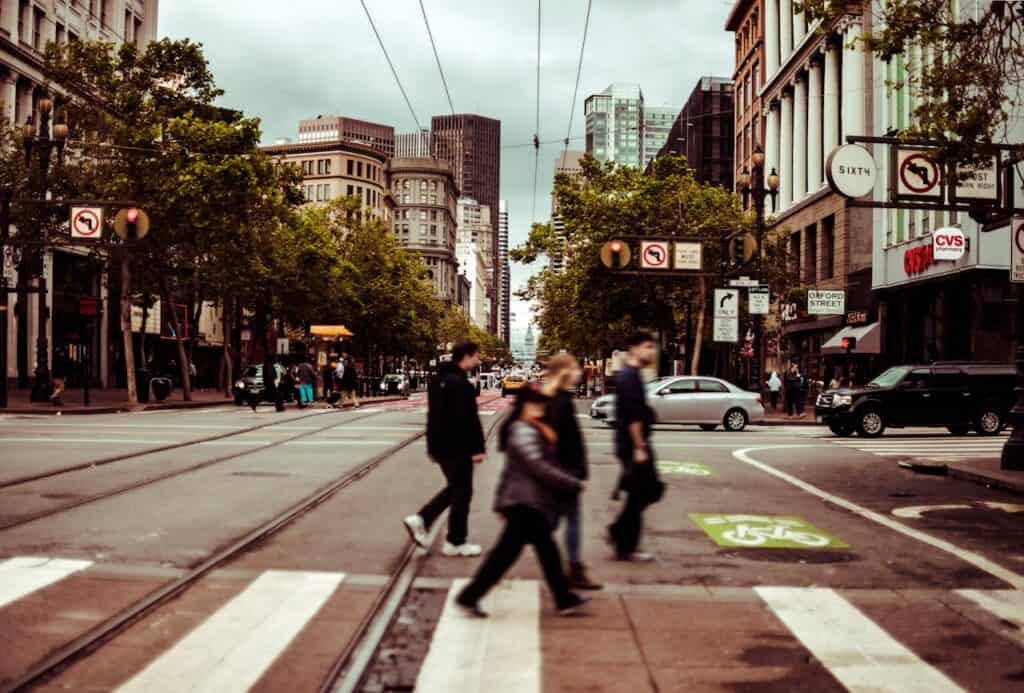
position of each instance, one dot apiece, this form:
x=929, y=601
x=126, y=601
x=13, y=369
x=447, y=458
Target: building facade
x=703, y=131
x=816, y=93
x=475, y=231
x=335, y=169
x=412, y=144
x=504, y=281
x=746, y=22
x=657, y=124
x=471, y=144
x=567, y=163
x=83, y=323
x=425, y=218
x=473, y=268
x=614, y=120
x=334, y=128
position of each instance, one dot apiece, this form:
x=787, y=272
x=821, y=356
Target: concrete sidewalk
x=106, y=401
x=984, y=471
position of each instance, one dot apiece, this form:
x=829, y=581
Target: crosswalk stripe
x=500, y=654
x=861, y=655
x=1007, y=605
x=232, y=649
x=23, y=575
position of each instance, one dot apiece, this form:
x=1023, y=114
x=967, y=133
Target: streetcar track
x=101, y=633
x=261, y=446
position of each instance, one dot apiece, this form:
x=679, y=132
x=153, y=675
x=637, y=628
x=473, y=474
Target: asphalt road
x=786, y=560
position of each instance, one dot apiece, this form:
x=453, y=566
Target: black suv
x=957, y=395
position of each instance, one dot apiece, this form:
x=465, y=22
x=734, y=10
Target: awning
x=869, y=340
x=330, y=331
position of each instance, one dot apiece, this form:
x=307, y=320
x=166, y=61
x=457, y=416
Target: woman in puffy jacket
x=528, y=498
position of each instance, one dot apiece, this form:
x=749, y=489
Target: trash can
x=161, y=388
x=142, y=380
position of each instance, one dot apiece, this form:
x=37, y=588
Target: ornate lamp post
x=43, y=145
x=754, y=185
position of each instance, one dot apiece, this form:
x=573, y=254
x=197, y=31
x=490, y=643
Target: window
x=103, y=12
x=136, y=30
x=433, y=230
x=128, y=37
x=37, y=27
x=61, y=34
x=327, y=167
x=359, y=168
x=811, y=265
x=433, y=215
x=681, y=387
x=348, y=167
x=320, y=166
x=348, y=190
x=828, y=247
x=23, y=19
x=712, y=386
x=794, y=251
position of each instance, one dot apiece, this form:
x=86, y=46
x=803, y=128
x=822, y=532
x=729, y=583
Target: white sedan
x=707, y=402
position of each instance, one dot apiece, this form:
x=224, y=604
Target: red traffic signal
x=849, y=344
x=615, y=254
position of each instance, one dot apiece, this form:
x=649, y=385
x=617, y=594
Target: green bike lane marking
x=765, y=532
x=688, y=468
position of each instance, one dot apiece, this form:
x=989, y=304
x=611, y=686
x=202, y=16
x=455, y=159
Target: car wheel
x=870, y=423
x=708, y=427
x=735, y=420
x=989, y=422
x=841, y=430
x=959, y=430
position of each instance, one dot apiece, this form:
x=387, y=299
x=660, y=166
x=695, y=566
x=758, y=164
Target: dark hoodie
x=453, y=424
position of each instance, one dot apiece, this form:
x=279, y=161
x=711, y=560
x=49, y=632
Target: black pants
x=456, y=495
x=523, y=525
x=774, y=395
x=637, y=482
x=791, y=398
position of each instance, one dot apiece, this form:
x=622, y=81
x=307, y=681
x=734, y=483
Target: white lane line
x=854, y=649
x=259, y=443
x=99, y=441
x=148, y=427
x=25, y=574
x=232, y=649
x=500, y=654
x=1007, y=605
x=975, y=559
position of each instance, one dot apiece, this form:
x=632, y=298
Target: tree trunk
x=186, y=381
x=142, y=334
x=698, y=338
x=227, y=376
x=126, y=329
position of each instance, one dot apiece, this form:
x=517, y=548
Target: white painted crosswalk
x=237, y=643
x=935, y=448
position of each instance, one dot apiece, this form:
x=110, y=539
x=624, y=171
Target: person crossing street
x=455, y=441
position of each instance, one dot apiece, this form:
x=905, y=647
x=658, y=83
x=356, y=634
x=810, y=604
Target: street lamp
x=753, y=185
x=43, y=145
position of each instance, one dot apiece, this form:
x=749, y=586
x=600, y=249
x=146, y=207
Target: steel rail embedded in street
x=108, y=629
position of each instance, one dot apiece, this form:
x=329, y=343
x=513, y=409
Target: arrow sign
x=86, y=223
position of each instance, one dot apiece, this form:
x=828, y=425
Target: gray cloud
x=285, y=61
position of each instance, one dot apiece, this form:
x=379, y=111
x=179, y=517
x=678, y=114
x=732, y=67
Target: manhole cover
x=792, y=556
x=902, y=494
x=260, y=475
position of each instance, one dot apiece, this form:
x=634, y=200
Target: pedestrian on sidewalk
x=305, y=374
x=801, y=393
x=633, y=422
x=563, y=376
x=792, y=383
x=774, y=387
x=527, y=498
x=59, y=373
x=349, y=381
x=327, y=373
x=455, y=440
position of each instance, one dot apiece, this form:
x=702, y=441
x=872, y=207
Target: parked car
x=707, y=402
x=252, y=382
x=512, y=383
x=957, y=395
x=394, y=384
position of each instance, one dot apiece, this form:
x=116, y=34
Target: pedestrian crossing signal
x=849, y=344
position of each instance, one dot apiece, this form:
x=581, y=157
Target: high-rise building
x=505, y=283
x=703, y=131
x=471, y=144
x=425, y=195
x=746, y=22
x=334, y=128
x=474, y=224
x=567, y=163
x=614, y=118
x=412, y=144
x=657, y=125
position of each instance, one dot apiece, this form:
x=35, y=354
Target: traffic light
x=131, y=224
x=736, y=252
x=742, y=249
x=615, y=254
x=849, y=344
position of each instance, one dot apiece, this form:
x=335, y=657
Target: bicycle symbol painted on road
x=765, y=531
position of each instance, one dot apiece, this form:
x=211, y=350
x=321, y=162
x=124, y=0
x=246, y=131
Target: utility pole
x=5, y=237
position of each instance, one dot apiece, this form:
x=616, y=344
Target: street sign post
x=826, y=302
x=759, y=300
x=86, y=223
x=1017, y=250
x=744, y=283
x=655, y=255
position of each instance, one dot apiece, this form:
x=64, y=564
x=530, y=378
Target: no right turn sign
x=1017, y=250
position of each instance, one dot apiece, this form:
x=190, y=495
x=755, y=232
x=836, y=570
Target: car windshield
x=657, y=384
x=890, y=377
x=392, y=378
x=253, y=372
x=515, y=378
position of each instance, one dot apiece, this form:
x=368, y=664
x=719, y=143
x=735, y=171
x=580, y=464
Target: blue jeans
x=306, y=394
x=573, y=529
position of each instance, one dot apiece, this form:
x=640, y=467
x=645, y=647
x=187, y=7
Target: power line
x=579, y=71
x=391, y=65
x=536, y=129
x=437, y=58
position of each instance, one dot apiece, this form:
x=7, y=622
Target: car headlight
x=240, y=384
x=401, y=387
x=842, y=401
x=383, y=386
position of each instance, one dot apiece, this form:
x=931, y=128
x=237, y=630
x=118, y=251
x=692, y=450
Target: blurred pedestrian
x=455, y=440
x=527, y=498
x=59, y=373
x=305, y=374
x=562, y=377
x=327, y=374
x=801, y=393
x=348, y=381
x=774, y=387
x=792, y=383
x=286, y=384
x=633, y=422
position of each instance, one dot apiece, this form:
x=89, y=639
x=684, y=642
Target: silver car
x=707, y=402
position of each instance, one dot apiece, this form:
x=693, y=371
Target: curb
x=962, y=473
x=163, y=406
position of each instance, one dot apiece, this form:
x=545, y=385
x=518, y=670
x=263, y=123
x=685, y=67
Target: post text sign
x=826, y=302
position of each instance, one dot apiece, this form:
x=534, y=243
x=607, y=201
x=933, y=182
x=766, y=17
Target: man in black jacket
x=455, y=440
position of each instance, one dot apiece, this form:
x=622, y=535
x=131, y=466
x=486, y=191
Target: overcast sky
x=283, y=61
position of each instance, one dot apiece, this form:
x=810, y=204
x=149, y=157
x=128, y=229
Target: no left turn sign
x=919, y=176
x=86, y=222
x=654, y=255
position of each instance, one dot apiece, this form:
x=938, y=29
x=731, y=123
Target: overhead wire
x=394, y=72
x=437, y=58
x=579, y=71
x=536, y=130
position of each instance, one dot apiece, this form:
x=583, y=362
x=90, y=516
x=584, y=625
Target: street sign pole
x=1013, y=450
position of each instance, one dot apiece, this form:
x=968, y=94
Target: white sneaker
x=417, y=530
x=462, y=550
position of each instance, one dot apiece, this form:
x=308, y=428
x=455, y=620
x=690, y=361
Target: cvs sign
x=949, y=243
